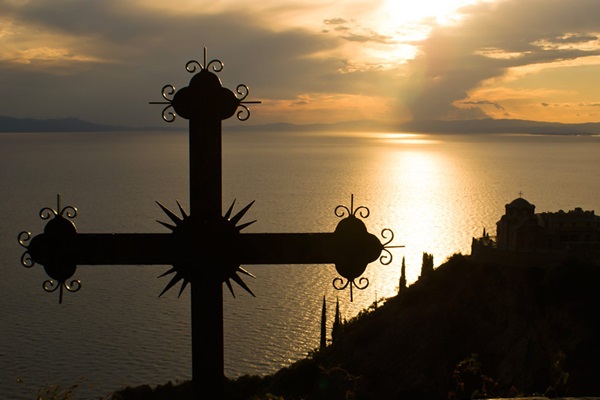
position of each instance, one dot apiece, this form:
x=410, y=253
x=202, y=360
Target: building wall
x=524, y=237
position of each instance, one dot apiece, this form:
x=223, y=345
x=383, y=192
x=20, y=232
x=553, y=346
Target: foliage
x=470, y=382
x=560, y=385
x=427, y=266
x=55, y=392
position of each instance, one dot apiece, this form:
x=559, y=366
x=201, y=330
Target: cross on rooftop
x=205, y=247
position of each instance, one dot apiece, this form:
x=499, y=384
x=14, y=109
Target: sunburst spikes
x=183, y=213
x=183, y=271
x=243, y=271
x=172, y=216
x=228, y=213
x=242, y=226
x=173, y=281
x=239, y=281
x=237, y=217
x=168, y=226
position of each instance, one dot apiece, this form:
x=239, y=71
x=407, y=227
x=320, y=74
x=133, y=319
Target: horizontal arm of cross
x=162, y=248
x=196, y=242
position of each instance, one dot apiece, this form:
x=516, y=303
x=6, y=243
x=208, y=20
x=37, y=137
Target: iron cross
x=204, y=246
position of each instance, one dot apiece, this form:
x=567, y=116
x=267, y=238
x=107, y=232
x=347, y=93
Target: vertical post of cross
x=207, y=296
x=205, y=103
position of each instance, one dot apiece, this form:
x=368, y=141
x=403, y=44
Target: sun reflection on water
x=422, y=181
x=402, y=138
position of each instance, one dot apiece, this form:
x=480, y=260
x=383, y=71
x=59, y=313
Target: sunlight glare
x=402, y=138
x=406, y=23
x=431, y=12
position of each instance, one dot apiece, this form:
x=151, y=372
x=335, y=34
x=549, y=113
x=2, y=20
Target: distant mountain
x=351, y=126
x=9, y=124
x=475, y=126
x=490, y=125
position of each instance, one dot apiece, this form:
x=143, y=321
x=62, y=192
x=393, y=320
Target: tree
x=402, y=285
x=324, y=324
x=337, y=322
x=427, y=266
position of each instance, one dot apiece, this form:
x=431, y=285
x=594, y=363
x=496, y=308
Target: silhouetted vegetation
x=426, y=266
x=337, y=320
x=323, y=324
x=469, y=380
x=402, y=284
x=467, y=329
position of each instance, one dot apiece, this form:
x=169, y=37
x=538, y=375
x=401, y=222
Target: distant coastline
x=473, y=126
x=18, y=125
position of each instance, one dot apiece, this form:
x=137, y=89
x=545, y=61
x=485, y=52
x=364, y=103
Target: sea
x=434, y=192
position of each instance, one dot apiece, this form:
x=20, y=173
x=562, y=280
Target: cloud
x=106, y=64
x=111, y=60
x=492, y=38
x=368, y=36
x=483, y=102
x=335, y=21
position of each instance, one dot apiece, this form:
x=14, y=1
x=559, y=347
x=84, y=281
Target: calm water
x=434, y=192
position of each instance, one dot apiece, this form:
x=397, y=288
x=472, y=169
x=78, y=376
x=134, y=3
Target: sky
x=307, y=61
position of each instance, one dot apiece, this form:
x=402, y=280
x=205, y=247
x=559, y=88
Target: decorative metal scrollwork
x=387, y=257
x=51, y=249
x=167, y=92
x=190, y=101
x=242, y=91
x=193, y=65
x=338, y=284
x=52, y=286
x=23, y=238
x=343, y=211
x=355, y=247
x=68, y=211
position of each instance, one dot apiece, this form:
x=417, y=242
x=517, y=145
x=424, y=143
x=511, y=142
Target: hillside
x=516, y=330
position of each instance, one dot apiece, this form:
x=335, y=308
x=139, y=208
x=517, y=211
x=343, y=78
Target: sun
x=423, y=12
x=402, y=25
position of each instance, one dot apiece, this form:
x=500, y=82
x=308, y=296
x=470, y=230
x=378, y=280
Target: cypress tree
x=337, y=321
x=402, y=285
x=324, y=324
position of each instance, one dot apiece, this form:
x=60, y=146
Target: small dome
x=520, y=205
x=520, y=202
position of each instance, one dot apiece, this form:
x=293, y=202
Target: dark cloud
x=144, y=50
x=133, y=51
x=573, y=38
x=483, y=102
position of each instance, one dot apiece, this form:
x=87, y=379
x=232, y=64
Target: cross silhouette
x=205, y=247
